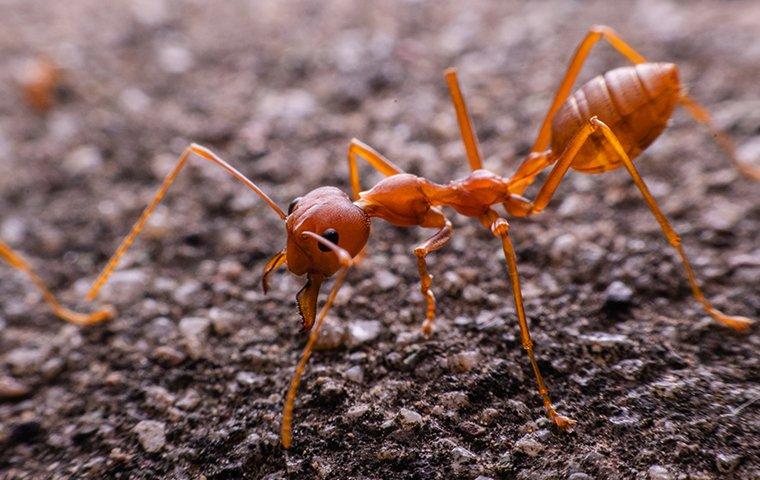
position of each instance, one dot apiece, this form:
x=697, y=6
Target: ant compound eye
x=330, y=234
x=293, y=205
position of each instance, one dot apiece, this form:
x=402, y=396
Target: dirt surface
x=188, y=380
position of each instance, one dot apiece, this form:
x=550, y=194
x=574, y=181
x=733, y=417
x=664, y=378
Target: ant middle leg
x=437, y=241
x=595, y=33
x=469, y=138
x=500, y=228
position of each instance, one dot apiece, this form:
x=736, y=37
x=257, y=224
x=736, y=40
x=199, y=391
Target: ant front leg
x=345, y=261
x=361, y=150
x=193, y=149
x=500, y=228
x=16, y=261
x=437, y=241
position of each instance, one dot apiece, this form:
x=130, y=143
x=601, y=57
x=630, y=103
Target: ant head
x=328, y=212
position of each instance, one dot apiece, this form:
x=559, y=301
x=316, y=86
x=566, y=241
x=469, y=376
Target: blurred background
x=188, y=380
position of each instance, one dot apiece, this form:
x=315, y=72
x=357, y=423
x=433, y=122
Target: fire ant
x=39, y=80
x=603, y=125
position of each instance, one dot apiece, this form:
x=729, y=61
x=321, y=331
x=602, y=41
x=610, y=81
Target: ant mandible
x=602, y=126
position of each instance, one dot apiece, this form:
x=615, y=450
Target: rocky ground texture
x=188, y=380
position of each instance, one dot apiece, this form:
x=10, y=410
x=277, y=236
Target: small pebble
x=409, y=418
x=321, y=466
x=489, y=415
x=332, y=334
x=454, y=400
x=158, y=397
x=355, y=374
x=357, y=411
x=618, y=295
x=187, y=294
x=151, y=435
x=189, y=400
x=386, y=280
x=25, y=361
x=246, y=378
x=562, y=247
x=10, y=388
x=472, y=429
x=160, y=328
x=473, y=293
x=656, y=472
x=462, y=460
x=519, y=408
x=125, y=286
x=222, y=321
x=52, y=368
x=578, y=476
x=175, y=59
x=363, y=331
x=168, y=356
x=601, y=341
x=329, y=390
x=625, y=421
x=629, y=369
x=195, y=331
x=727, y=463
x=114, y=379
x=84, y=159
x=464, y=361
x=529, y=446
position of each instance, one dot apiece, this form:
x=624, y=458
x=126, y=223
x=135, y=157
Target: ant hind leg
x=735, y=322
x=701, y=115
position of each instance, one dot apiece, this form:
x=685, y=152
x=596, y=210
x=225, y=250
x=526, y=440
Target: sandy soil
x=188, y=380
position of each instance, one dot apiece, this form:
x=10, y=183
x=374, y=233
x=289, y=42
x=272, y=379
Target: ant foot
x=427, y=328
x=564, y=422
x=86, y=319
x=736, y=322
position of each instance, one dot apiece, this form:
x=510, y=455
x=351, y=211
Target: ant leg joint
x=601, y=29
x=500, y=227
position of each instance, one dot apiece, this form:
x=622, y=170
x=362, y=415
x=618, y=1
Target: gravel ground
x=188, y=380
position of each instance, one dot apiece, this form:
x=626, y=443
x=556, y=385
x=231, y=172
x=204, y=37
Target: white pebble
x=151, y=434
x=409, y=418
x=363, y=331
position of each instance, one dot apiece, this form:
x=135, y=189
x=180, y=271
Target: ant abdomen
x=636, y=102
